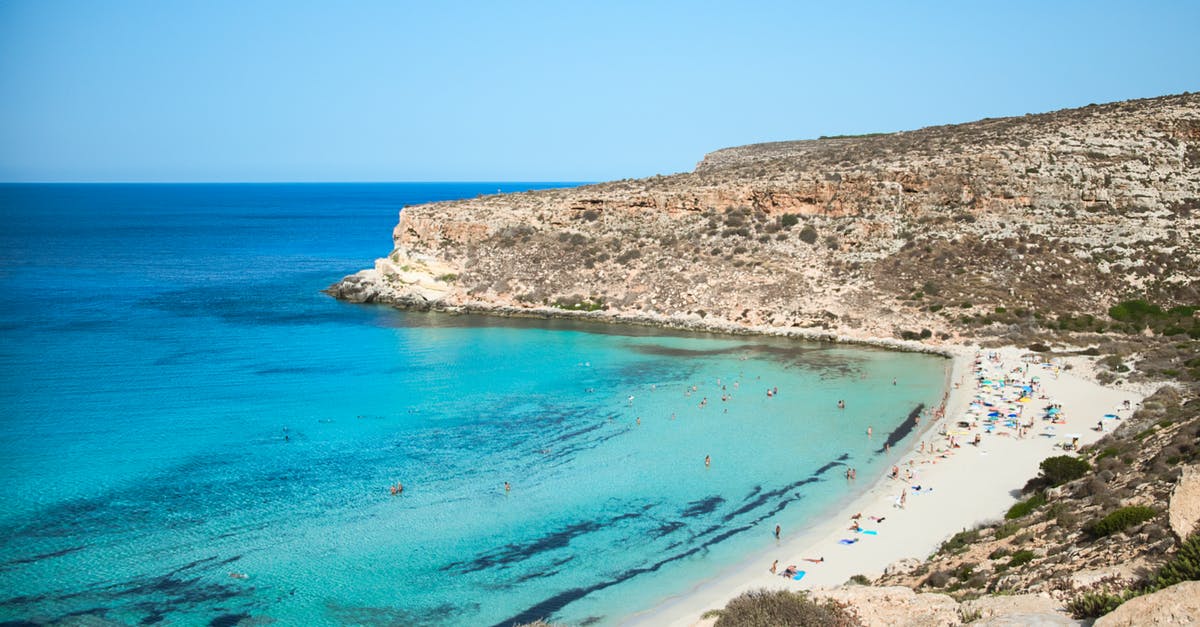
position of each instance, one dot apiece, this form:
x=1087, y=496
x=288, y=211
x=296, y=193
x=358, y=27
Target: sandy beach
x=960, y=487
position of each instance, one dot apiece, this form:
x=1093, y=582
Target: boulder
x=1121, y=575
x=1176, y=605
x=895, y=606
x=1027, y=619
x=1005, y=607
x=1184, y=510
x=903, y=566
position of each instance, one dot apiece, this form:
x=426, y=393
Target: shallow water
x=182, y=403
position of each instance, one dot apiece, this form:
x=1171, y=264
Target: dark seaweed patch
x=903, y=429
x=703, y=506
x=515, y=553
x=391, y=616
x=37, y=558
x=228, y=620
x=829, y=466
x=555, y=603
x=666, y=528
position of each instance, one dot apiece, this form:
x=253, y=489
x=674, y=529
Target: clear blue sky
x=407, y=91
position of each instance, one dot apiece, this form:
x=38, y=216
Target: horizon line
x=425, y=182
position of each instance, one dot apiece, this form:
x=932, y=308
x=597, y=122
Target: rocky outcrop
x=1184, y=512
x=872, y=236
x=895, y=606
x=1176, y=605
x=1017, y=609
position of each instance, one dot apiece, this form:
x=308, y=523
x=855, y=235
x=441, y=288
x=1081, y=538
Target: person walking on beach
x=903, y=498
x=774, y=566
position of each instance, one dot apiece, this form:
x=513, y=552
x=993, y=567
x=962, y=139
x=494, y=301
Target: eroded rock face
x=895, y=606
x=1002, y=610
x=862, y=236
x=1184, y=512
x=1177, y=605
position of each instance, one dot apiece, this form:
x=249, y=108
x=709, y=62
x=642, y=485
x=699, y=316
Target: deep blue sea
x=193, y=434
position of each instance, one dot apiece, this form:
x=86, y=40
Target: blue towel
x=845, y=541
x=870, y=533
x=799, y=576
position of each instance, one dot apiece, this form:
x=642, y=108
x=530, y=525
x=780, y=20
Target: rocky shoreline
x=1071, y=234
x=998, y=228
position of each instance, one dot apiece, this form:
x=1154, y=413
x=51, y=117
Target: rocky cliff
x=1047, y=215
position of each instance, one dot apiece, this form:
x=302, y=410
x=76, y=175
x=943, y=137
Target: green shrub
x=1024, y=556
x=1135, y=311
x=1026, y=506
x=1185, y=566
x=1007, y=529
x=1093, y=605
x=998, y=553
x=860, y=580
x=788, y=220
x=808, y=234
x=959, y=541
x=783, y=607
x=1063, y=468
x=1119, y=520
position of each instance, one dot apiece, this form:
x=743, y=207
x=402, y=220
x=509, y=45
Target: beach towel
x=799, y=575
x=845, y=541
x=869, y=532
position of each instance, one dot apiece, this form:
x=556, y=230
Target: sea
x=192, y=433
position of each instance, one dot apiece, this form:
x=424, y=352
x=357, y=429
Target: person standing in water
x=777, y=530
x=507, y=487
x=707, y=461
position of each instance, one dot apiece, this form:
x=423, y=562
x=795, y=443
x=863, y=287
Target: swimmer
x=868, y=432
x=707, y=461
x=237, y=575
x=507, y=487
x=639, y=420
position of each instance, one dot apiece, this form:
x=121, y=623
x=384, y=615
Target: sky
x=536, y=91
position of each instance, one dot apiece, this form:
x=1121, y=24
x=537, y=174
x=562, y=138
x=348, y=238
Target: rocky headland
x=1070, y=234
x=945, y=232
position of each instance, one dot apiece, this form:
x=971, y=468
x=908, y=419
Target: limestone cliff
x=1049, y=214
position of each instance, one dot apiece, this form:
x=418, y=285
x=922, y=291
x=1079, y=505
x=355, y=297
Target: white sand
x=971, y=485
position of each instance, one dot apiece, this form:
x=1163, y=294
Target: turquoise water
x=181, y=403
